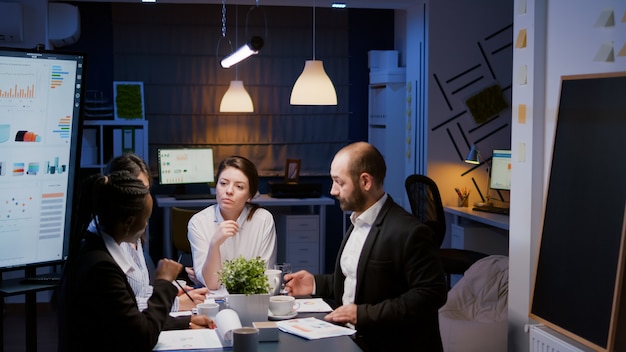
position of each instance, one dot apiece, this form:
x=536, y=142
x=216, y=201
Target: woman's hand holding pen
x=189, y=298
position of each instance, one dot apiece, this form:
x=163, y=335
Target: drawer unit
x=298, y=241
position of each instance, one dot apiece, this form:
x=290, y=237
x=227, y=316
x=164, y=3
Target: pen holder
x=463, y=201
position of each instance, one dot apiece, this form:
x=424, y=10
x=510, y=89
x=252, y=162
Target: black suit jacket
x=400, y=284
x=97, y=310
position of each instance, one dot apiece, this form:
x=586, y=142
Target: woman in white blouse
x=233, y=226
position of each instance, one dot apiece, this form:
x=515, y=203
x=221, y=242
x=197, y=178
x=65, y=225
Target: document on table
x=226, y=320
x=189, y=339
x=313, y=305
x=313, y=328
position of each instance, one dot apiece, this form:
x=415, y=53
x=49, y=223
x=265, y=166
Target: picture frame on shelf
x=128, y=100
x=292, y=170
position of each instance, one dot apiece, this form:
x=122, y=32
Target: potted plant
x=248, y=288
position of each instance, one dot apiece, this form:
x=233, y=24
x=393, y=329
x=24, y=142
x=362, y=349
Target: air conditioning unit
x=11, y=26
x=63, y=24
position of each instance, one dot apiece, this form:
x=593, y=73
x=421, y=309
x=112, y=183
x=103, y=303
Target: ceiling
x=364, y=4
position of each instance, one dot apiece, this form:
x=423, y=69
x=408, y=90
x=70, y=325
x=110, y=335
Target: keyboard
x=51, y=278
x=192, y=196
x=492, y=209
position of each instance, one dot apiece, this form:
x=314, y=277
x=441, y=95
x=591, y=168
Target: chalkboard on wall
x=579, y=270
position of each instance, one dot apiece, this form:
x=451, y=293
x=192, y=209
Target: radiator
x=543, y=339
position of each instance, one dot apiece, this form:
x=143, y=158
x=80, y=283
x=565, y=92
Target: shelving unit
x=387, y=117
x=104, y=139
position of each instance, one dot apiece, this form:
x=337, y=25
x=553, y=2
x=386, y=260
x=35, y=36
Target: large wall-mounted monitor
x=500, y=176
x=184, y=166
x=41, y=94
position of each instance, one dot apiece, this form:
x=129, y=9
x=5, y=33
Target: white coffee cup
x=208, y=309
x=283, y=305
x=274, y=277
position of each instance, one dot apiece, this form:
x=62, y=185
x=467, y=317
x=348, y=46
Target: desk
x=14, y=287
x=479, y=231
x=166, y=202
x=496, y=220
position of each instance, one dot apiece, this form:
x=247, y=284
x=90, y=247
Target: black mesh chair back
x=426, y=204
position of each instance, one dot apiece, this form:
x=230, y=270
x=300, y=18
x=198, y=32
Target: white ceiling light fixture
x=251, y=47
x=236, y=98
x=245, y=51
x=313, y=87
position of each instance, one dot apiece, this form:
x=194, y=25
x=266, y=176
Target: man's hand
x=299, y=283
x=344, y=314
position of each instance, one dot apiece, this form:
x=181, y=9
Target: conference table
x=292, y=343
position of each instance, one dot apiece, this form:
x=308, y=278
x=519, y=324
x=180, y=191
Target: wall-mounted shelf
x=105, y=139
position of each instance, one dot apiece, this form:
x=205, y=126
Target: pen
x=182, y=288
x=458, y=192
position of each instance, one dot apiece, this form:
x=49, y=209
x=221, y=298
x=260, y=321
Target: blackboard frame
x=580, y=266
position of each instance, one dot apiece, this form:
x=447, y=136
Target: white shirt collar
x=116, y=252
x=370, y=214
x=240, y=220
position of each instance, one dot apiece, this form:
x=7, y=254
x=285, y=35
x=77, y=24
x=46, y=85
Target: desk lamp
x=474, y=157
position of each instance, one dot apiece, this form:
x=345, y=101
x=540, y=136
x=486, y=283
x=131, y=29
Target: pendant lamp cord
x=313, y=29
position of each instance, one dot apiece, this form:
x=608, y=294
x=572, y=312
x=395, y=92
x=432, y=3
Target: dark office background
x=343, y=39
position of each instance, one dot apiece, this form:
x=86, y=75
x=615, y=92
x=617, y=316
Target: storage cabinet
x=299, y=241
x=104, y=139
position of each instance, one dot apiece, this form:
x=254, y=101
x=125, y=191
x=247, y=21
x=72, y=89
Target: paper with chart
x=313, y=305
x=313, y=328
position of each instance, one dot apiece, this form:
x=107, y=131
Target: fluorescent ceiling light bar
x=244, y=52
x=338, y=5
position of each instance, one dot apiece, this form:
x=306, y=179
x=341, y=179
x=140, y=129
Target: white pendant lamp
x=236, y=99
x=313, y=87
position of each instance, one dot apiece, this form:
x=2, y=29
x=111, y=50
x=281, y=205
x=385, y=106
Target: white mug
x=274, y=277
x=283, y=305
x=208, y=309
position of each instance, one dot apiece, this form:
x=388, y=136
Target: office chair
x=426, y=205
x=179, y=218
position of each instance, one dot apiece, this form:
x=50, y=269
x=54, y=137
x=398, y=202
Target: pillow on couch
x=475, y=316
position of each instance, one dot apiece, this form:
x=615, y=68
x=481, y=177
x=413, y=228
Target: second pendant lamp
x=313, y=87
x=236, y=98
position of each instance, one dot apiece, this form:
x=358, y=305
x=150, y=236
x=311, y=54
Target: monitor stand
x=181, y=194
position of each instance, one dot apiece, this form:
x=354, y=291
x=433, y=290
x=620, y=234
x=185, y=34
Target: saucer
x=291, y=315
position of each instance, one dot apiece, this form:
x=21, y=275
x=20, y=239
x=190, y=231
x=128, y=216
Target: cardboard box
x=268, y=330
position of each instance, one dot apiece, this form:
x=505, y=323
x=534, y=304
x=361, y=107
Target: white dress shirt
x=352, y=250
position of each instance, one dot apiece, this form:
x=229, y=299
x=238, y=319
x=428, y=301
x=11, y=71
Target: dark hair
x=83, y=212
x=249, y=169
x=116, y=197
x=366, y=158
x=130, y=162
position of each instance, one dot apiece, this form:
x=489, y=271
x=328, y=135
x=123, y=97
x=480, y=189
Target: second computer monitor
x=500, y=176
x=181, y=166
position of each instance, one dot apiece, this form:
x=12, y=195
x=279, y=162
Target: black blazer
x=97, y=310
x=400, y=284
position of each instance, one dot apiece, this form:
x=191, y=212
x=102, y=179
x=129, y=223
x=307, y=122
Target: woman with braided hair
x=97, y=309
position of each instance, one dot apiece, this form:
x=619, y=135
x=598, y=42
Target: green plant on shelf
x=128, y=101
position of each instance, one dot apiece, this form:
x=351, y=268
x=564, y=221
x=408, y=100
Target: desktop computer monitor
x=500, y=175
x=183, y=166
